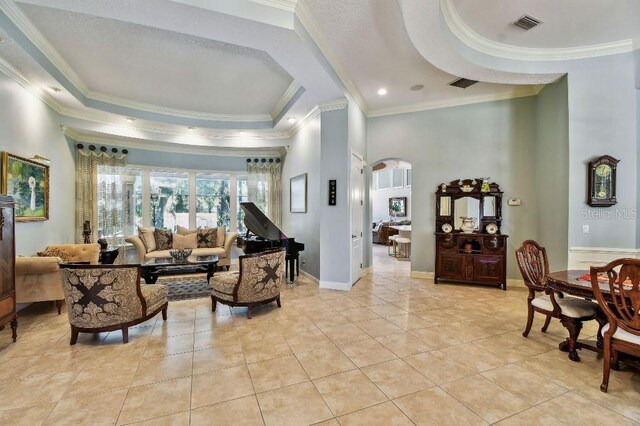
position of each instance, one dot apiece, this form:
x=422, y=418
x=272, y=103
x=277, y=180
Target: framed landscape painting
x=298, y=193
x=27, y=182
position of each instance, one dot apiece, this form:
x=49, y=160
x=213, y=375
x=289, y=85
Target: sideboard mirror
x=467, y=207
x=489, y=206
x=469, y=200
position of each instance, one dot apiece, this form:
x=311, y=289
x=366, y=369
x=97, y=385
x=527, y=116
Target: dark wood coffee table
x=154, y=268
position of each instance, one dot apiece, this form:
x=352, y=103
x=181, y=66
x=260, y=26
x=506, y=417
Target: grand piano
x=267, y=235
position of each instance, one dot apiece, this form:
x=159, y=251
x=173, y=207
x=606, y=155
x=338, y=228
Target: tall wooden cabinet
x=469, y=245
x=7, y=265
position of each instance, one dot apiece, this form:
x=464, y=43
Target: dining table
x=574, y=283
x=404, y=231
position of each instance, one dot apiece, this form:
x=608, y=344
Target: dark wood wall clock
x=602, y=181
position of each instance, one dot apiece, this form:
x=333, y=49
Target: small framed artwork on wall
x=398, y=206
x=27, y=181
x=298, y=193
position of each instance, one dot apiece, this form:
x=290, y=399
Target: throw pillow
x=221, y=236
x=147, y=235
x=55, y=252
x=207, y=237
x=164, y=239
x=185, y=231
x=185, y=241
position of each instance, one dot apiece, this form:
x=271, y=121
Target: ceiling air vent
x=462, y=83
x=527, y=22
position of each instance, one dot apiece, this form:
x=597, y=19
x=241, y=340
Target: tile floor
x=393, y=350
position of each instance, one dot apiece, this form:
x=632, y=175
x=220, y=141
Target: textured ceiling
x=567, y=23
x=158, y=67
x=370, y=41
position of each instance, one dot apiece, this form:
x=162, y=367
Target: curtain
x=264, y=189
x=99, y=196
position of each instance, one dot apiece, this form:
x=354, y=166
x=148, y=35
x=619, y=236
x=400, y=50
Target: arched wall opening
x=390, y=212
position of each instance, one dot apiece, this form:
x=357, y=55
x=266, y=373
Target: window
x=397, y=176
x=383, y=179
x=213, y=202
x=243, y=196
x=169, y=200
x=132, y=201
x=408, y=177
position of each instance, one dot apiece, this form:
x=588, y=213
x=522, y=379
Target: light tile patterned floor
x=393, y=350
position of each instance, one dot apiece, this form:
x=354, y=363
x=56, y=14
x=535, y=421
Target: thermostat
x=514, y=202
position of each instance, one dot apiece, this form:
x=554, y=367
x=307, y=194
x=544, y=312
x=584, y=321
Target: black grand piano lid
x=258, y=223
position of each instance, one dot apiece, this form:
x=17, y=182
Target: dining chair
x=622, y=333
x=534, y=267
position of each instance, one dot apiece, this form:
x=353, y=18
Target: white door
x=357, y=216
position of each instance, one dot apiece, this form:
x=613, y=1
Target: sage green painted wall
x=553, y=172
x=491, y=139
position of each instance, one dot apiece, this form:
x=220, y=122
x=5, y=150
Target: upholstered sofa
x=382, y=231
x=223, y=251
x=38, y=278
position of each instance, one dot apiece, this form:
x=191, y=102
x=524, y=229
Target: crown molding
x=286, y=97
x=29, y=30
x=481, y=44
x=425, y=106
x=172, y=147
x=315, y=112
x=11, y=72
x=288, y=5
x=308, y=21
x=333, y=105
x=157, y=109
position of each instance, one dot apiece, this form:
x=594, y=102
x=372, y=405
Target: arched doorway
x=390, y=212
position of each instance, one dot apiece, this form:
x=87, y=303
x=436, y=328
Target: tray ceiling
x=566, y=23
x=153, y=66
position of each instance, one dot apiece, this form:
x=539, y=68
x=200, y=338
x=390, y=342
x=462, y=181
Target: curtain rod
x=264, y=160
x=102, y=148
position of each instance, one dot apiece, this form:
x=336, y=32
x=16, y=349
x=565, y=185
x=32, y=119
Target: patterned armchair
x=258, y=281
x=109, y=297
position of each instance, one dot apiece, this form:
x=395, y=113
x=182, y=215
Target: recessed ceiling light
x=382, y=91
x=417, y=87
x=54, y=89
x=292, y=120
x=131, y=120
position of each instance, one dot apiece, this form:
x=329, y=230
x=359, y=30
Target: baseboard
x=585, y=257
x=421, y=274
x=310, y=277
x=515, y=283
x=334, y=285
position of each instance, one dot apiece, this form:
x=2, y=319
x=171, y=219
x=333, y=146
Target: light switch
x=514, y=202
x=585, y=229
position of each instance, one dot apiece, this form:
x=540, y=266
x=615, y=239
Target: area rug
x=185, y=287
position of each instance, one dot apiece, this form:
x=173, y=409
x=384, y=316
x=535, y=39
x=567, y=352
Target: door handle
x=354, y=236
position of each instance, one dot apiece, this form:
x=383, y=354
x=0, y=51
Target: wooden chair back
x=624, y=285
x=534, y=265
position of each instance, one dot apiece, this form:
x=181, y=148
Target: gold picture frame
x=27, y=181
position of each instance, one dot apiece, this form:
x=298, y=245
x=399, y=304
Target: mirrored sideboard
x=469, y=245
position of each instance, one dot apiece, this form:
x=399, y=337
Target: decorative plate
x=492, y=228
x=447, y=228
